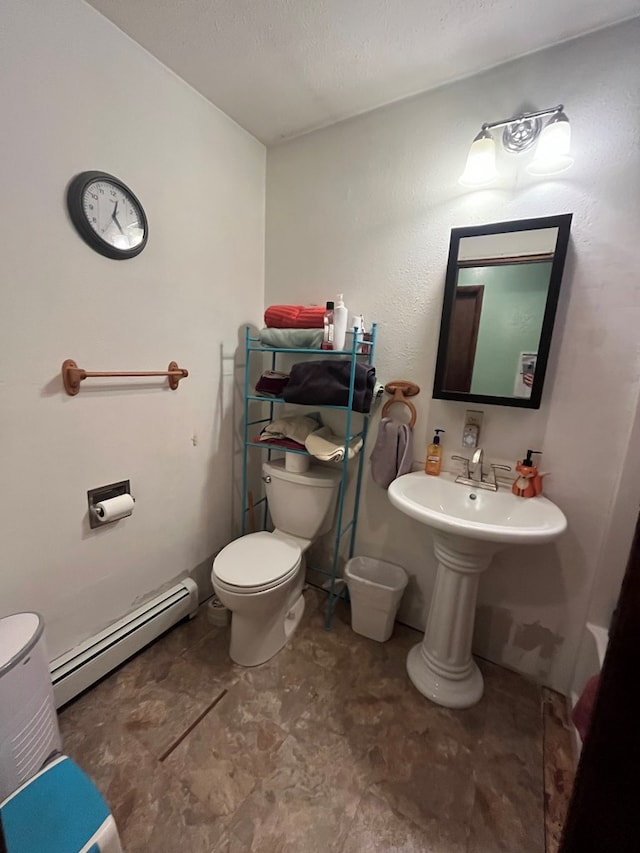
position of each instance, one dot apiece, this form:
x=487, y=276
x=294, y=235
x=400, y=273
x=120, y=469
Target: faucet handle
x=495, y=468
x=465, y=462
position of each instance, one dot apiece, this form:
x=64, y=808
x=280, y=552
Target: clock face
x=107, y=215
x=113, y=214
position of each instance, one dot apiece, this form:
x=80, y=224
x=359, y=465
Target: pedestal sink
x=469, y=526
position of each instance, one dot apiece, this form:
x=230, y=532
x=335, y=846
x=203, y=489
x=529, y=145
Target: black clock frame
x=75, y=194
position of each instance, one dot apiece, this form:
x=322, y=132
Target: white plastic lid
x=17, y=634
x=256, y=560
x=316, y=475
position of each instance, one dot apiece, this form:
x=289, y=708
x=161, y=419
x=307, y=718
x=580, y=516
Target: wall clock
x=107, y=215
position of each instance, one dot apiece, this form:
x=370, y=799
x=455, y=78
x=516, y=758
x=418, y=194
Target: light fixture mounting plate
x=519, y=135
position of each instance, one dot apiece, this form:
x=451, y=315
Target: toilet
x=260, y=576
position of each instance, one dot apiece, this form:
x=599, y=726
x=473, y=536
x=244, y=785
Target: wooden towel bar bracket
x=72, y=375
x=401, y=389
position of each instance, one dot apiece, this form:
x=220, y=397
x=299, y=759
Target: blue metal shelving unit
x=342, y=526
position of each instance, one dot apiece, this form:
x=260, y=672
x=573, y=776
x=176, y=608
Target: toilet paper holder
x=104, y=493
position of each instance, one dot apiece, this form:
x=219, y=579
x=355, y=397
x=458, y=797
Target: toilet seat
x=256, y=563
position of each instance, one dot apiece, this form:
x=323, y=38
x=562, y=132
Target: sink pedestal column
x=441, y=667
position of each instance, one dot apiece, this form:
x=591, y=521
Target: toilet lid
x=256, y=559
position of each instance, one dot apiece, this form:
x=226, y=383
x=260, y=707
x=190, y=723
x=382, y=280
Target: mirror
x=501, y=294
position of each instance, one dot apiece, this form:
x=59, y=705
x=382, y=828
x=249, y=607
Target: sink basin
x=469, y=526
x=479, y=514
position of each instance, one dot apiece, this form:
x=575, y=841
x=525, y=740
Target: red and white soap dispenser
x=528, y=484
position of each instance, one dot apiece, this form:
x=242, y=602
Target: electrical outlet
x=471, y=431
x=470, y=436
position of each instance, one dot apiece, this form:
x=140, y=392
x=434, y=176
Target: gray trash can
x=375, y=589
x=29, y=731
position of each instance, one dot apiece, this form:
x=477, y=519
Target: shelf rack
x=363, y=348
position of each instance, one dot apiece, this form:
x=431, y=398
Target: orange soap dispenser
x=529, y=482
x=433, y=462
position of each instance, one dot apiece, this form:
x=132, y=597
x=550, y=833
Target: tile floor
x=559, y=766
x=327, y=747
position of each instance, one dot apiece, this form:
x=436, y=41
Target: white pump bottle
x=340, y=317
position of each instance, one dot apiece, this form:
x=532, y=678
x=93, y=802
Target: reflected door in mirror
x=461, y=352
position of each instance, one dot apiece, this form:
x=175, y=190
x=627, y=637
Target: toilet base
x=257, y=637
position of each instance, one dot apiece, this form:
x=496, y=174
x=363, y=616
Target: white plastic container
x=29, y=731
x=340, y=317
x=375, y=588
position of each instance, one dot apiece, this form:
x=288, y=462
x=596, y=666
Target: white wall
x=366, y=207
x=77, y=94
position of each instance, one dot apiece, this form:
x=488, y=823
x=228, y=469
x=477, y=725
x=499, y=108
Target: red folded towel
x=294, y=317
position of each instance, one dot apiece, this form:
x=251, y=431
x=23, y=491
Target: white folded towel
x=295, y=428
x=325, y=445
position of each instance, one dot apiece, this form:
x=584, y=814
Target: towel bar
x=401, y=389
x=72, y=375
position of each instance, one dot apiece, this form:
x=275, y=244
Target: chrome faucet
x=476, y=461
x=474, y=476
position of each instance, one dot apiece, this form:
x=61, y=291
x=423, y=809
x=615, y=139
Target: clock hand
x=115, y=218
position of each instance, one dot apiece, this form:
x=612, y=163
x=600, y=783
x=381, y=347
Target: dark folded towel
x=326, y=383
x=271, y=383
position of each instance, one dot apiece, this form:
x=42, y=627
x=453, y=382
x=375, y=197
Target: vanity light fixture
x=520, y=134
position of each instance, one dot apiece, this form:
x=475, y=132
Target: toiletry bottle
x=528, y=484
x=433, y=462
x=340, y=315
x=327, y=338
x=357, y=324
x=363, y=335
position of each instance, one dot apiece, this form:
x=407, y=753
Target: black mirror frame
x=563, y=223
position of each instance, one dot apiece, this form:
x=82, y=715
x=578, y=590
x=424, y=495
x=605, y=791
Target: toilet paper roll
x=114, y=508
x=296, y=462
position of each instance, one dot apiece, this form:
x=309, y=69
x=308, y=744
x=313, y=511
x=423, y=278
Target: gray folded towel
x=392, y=455
x=292, y=338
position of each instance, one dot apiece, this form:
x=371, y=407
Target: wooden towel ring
x=401, y=389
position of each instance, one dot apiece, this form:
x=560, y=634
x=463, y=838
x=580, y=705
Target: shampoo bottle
x=340, y=315
x=433, y=462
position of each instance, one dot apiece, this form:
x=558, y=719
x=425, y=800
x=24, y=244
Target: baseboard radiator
x=81, y=667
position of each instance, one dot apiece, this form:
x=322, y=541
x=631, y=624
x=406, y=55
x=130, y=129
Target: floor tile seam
x=260, y=777
x=191, y=727
x=166, y=686
x=215, y=682
x=214, y=631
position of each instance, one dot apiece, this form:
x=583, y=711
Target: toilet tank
x=301, y=504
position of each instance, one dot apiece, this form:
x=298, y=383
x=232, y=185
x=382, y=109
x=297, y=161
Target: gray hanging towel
x=392, y=455
x=326, y=383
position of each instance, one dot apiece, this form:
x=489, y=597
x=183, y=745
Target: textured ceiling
x=284, y=67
